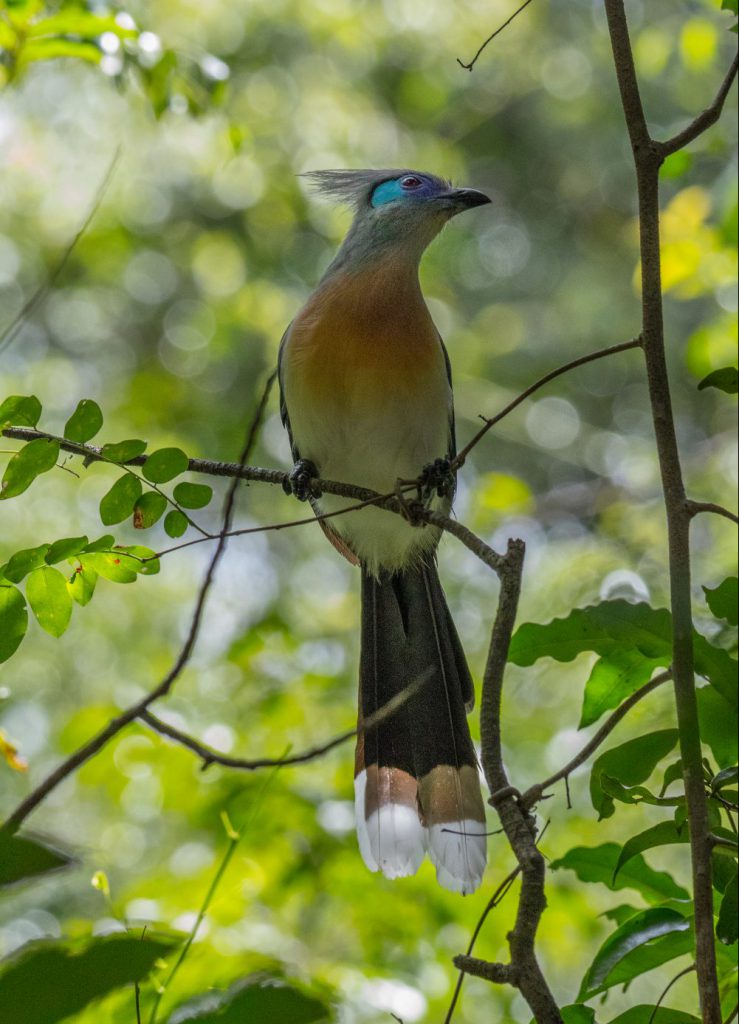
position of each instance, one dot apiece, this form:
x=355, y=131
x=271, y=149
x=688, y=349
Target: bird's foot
x=411, y=510
x=298, y=482
x=436, y=478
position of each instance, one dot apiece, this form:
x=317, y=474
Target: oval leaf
x=139, y=559
x=723, y=600
x=664, y=834
x=81, y=584
x=110, y=565
x=726, y=379
x=123, y=451
x=49, y=599
x=726, y=926
x=85, y=421
x=23, y=562
x=638, y=931
x=32, y=460
x=13, y=620
x=630, y=763
x=104, y=543
x=175, y=523
x=20, y=411
x=257, y=998
x=118, y=503
x=192, y=495
x=598, y=863
x=67, y=547
x=148, y=510
x=165, y=464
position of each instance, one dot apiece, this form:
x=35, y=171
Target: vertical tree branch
x=525, y=972
x=647, y=160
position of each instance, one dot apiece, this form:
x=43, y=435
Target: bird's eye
x=411, y=181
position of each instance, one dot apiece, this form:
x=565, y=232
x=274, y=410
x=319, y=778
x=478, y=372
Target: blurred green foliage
x=168, y=314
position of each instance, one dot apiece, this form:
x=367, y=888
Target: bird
x=366, y=398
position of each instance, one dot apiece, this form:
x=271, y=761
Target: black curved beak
x=457, y=200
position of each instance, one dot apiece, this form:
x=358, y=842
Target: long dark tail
x=417, y=785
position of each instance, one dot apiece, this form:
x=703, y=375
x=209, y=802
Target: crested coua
x=366, y=398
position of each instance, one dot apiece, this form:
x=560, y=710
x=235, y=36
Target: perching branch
x=117, y=724
x=210, y=756
x=648, y=157
x=703, y=121
x=535, y=793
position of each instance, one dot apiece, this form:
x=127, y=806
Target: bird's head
x=400, y=209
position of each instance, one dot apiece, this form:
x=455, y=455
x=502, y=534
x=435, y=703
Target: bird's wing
x=338, y=542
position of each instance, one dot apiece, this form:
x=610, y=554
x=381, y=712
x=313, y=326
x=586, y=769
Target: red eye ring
x=411, y=181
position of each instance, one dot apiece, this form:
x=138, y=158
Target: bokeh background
x=169, y=314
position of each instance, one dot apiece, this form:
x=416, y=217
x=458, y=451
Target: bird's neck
x=384, y=247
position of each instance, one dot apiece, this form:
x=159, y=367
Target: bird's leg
x=299, y=480
x=408, y=509
x=436, y=478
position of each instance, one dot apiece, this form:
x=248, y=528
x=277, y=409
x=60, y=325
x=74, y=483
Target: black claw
x=437, y=478
x=298, y=482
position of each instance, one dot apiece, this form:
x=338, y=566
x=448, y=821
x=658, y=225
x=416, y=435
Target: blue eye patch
x=398, y=188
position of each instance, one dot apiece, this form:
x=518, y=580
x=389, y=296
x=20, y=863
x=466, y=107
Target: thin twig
x=681, y=974
x=695, y=507
x=573, y=364
x=94, y=745
x=703, y=121
x=210, y=756
x=8, y=335
x=470, y=66
x=536, y=792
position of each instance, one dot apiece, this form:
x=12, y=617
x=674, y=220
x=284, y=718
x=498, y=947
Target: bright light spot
x=336, y=816
x=109, y=42
x=186, y=922
x=220, y=737
x=150, y=44
x=624, y=584
x=111, y=65
x=143, y=910
x=239, y=184
x=395, y=997
x=125, y=21
x=190, y=858
x=553, y=423
x=214, y=68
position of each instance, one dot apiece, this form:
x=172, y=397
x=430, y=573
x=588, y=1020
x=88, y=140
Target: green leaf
x=726, y=926
x=22, y=856
x=104, y=543
x=719, y=724
x=672, y=773
x=118, y=503
x=730, y=5
x=666, y=833
x=13, y=620
x=577, y=1014
x=257, y=998
x=50, y=601
x=724, y=379
x=611, y=629
x=131, y=556
x=636, y=794
x=175, y=523
x=662, y=1015
x=111, y=566
x=51, y=48
x=20, y=411
x=46, y=982
x=67, y=547
x=81, y=584
x=193, y=495
x=165, y=464
x=22, y=562
x=85, y=421
x=32, y=460
x=78, y=22
x=598, y=863
x=123, y=451
x=726, y=777
x=148, y=510
x=645, y=929
x=630, y=763
x=723, y=600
